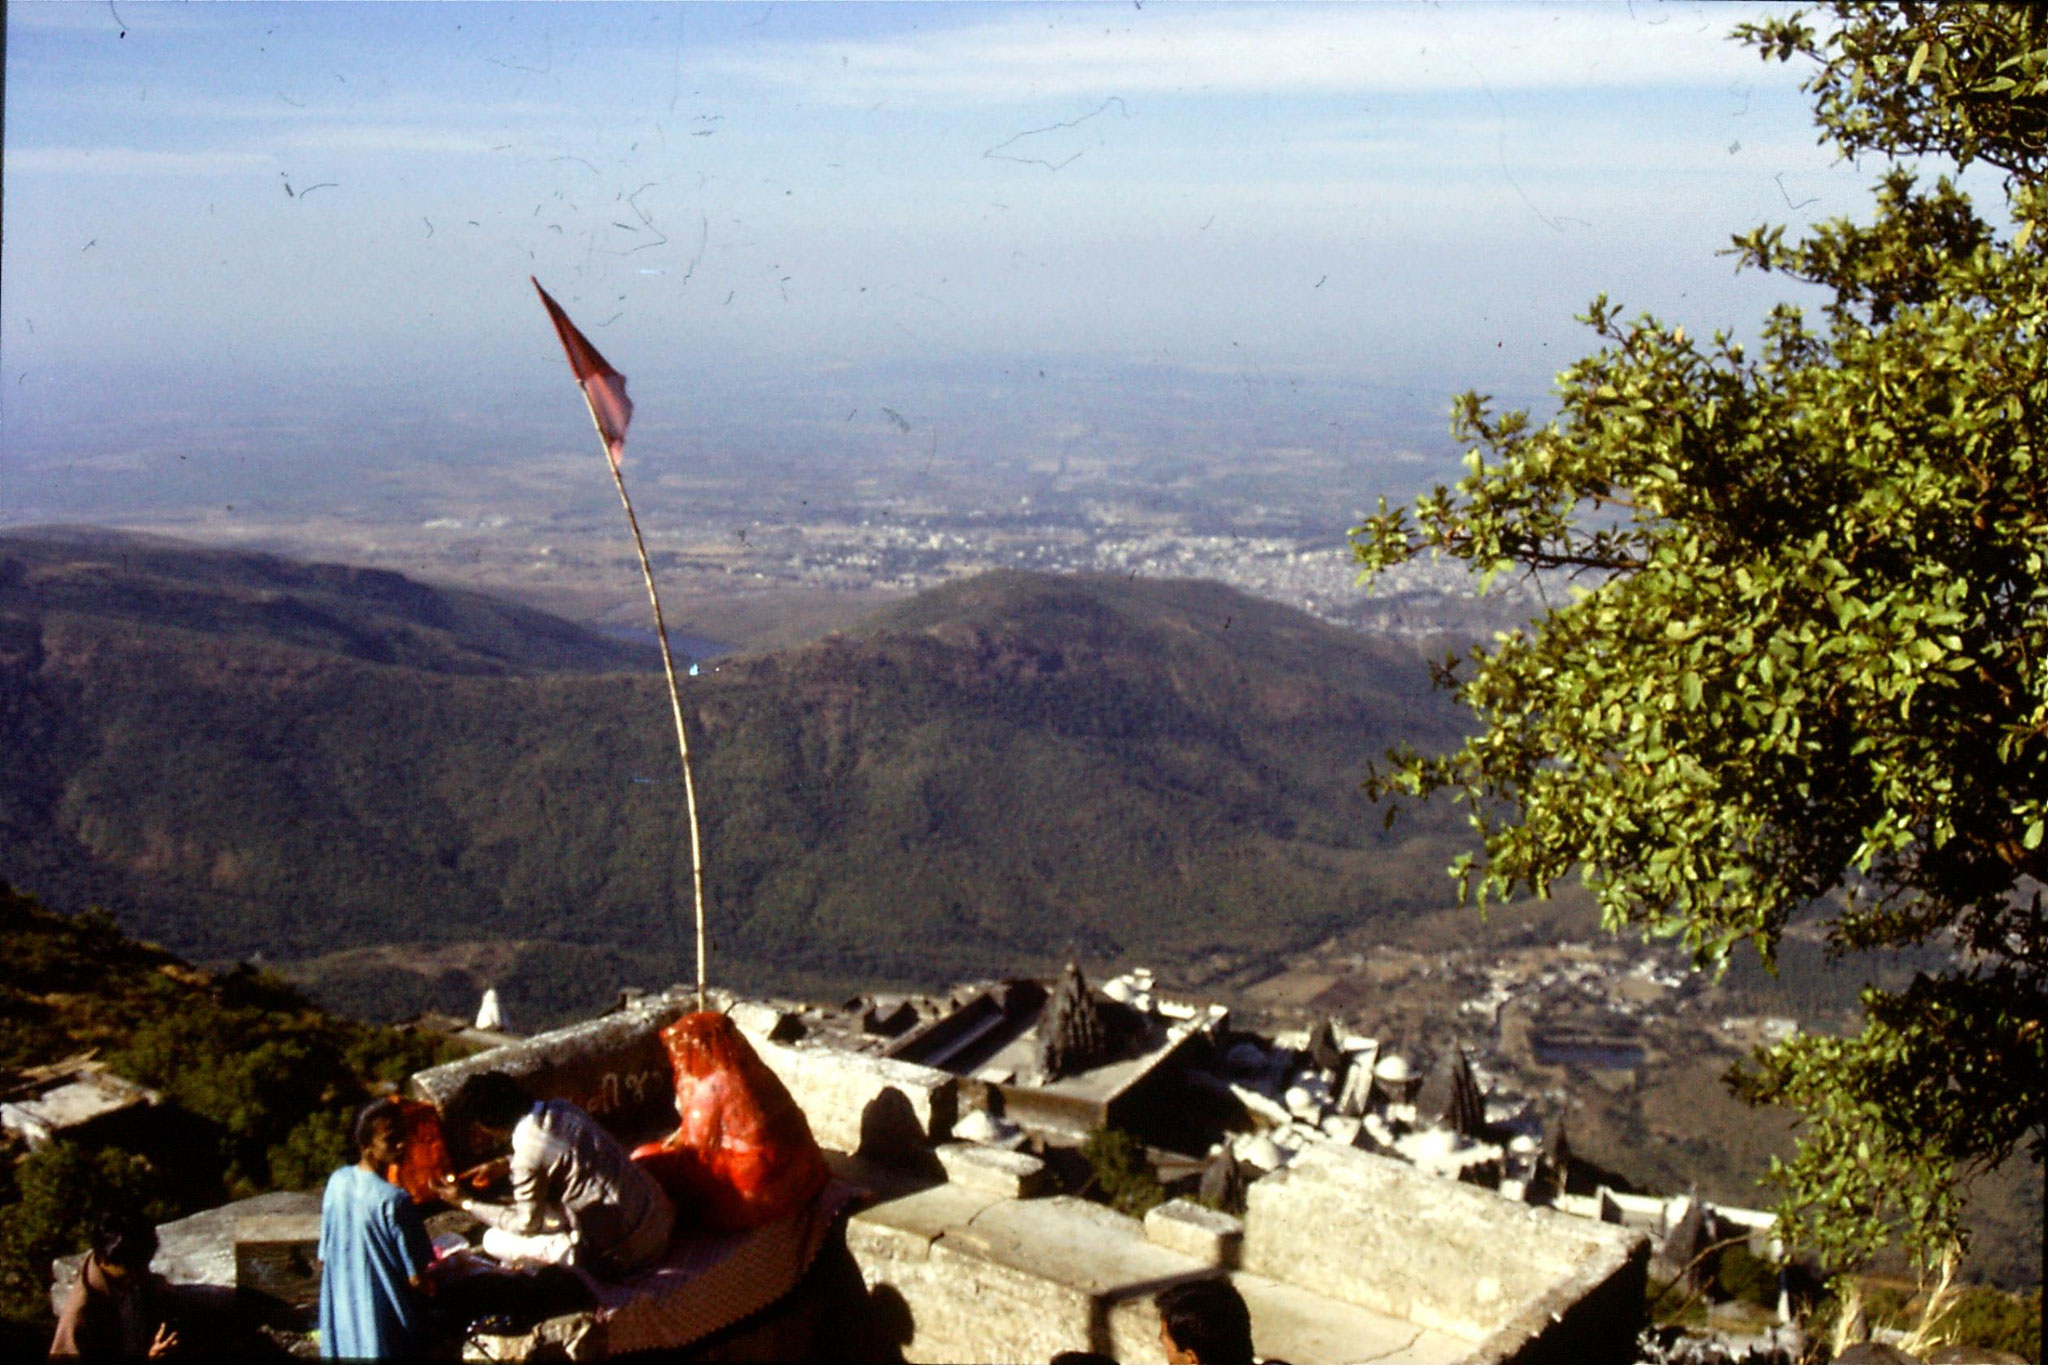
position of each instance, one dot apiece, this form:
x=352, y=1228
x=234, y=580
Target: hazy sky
x=302, y=232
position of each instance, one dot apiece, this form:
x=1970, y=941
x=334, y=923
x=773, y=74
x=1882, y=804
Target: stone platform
x=989, y=1278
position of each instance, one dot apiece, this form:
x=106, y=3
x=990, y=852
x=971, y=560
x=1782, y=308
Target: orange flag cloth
x=604, y=388
x=744, y=1154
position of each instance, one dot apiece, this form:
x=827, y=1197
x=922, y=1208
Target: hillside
x=248, y=756
x=369, y=614
x=259, y=1086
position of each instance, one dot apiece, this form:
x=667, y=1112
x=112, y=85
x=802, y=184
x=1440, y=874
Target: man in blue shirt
x=373, y=1250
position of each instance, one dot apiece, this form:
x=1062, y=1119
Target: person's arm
x=64, y=1344
x=508, y=1217
x=531, y=1184
x=413, y=1243
x=162, y=1300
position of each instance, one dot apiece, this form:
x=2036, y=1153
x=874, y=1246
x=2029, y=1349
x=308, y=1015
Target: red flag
x=604, y=388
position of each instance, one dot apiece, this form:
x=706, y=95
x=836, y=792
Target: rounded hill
x=979, y=779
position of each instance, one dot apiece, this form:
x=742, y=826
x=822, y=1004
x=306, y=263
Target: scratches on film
x=1001, y=152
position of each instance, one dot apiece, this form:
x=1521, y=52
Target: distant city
x=1154, y=471
x=912, y=551
x=732, y=533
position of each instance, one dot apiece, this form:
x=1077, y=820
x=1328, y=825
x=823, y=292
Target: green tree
x=1803, y=660
x=314, y=1149
x=60, y=1192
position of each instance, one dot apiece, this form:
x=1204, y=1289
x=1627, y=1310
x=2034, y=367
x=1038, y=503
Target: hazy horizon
x=277, y=255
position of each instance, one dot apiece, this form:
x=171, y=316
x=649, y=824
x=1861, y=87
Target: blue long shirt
x=372, y=1242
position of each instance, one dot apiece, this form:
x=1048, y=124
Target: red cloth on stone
x=425, y=1163
x=744, y=1154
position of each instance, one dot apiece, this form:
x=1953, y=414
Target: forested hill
x=229, y=595
x=982, y=778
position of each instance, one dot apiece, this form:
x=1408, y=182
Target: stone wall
x=874, y=1106
x=1589, y=1317
x=1374, y=1232
x=614, y=1067
x=984, y=1279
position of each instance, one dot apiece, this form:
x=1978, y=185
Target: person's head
x=379, y=1133
x=1205, y=1322
x=124, y=1241
x=490, y=1101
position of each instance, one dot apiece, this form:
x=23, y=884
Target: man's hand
x=165, y=1341
x=481, y=1177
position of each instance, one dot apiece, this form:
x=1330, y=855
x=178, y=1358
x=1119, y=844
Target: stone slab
x=952, y=1306
x=1376, y=1233
x=72, y=1105
x=882, y=1108
x=928, y=1213
x=277, y=1255
x=1071, y=1242
x=1292, y=1324
x=760, y=1020
x=1014, y=1280
x=992, y=1170
x=1204, y=1235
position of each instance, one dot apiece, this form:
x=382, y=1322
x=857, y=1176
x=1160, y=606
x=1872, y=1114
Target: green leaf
x=1844, y=535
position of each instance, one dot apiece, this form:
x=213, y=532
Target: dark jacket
x=106, y=1316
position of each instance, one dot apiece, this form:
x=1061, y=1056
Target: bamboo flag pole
x=675, y=701
x=604, y=392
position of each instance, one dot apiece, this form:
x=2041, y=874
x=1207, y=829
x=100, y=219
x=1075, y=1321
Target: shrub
x=1983, y=1316
x=1742, y=1274
x=311, y=1151
x=1119, y=1174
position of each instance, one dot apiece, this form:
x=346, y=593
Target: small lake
x=684, y=647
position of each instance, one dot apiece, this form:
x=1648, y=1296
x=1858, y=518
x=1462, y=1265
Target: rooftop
x=77, y=1098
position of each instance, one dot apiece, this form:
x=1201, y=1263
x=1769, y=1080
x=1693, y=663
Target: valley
x=395, y=795
x=982, y=778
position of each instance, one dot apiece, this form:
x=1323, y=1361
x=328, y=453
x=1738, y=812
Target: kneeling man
x=577, y=1198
